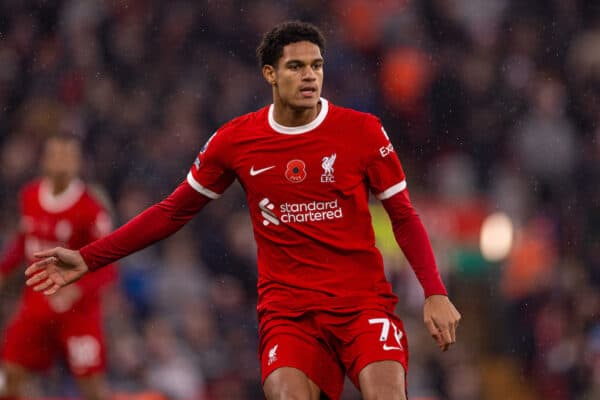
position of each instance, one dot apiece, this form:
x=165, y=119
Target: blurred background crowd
x=493, y=107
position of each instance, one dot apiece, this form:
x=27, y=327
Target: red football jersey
x=70, y=219
x=307, y=190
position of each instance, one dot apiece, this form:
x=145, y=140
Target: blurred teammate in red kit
x=57, y=209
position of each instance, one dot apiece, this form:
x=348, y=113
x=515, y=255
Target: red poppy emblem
x=295, y=171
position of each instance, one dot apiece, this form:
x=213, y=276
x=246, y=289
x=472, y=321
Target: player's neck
x=58, y=186
x=285, y=115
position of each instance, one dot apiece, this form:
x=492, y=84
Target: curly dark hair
x=271, y=47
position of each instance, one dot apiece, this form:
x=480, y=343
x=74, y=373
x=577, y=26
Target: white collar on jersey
x=296, y=130
x=62, y=201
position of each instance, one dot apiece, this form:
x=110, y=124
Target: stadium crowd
x=491, y=105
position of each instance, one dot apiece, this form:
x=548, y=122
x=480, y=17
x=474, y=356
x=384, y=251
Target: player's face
x=298, y=76
x=61, y=160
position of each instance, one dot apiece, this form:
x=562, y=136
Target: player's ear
x=269, y=74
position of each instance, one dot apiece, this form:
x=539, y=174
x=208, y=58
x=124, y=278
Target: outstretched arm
x=60, y=266
x=440, y=315
x=152, y=225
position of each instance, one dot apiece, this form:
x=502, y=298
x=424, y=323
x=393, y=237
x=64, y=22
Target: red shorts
x=326, y=346
x=34, y=340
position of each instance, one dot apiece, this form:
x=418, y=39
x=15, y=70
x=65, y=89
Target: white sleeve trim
x=201, y=189
x=389, y=192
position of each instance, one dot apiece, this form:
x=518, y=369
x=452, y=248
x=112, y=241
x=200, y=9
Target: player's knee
x=286, y=393
x=14, y=378
x=290, y=384
x=289, y=390
x=392, y=391
x=96, y=395
x=94, y=388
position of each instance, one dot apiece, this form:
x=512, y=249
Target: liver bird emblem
x=327, y=164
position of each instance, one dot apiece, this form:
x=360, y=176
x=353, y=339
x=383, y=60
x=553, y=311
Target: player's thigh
x=82, y=342
x=368, y=337
x=290, y=383
x=296, y=361
x=94, y=387
x=383, y=380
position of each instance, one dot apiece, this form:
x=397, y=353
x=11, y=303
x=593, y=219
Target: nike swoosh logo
x=388, y=348
x=254, y=172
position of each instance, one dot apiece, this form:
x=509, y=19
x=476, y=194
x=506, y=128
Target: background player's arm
x=12, y=257
x=14, y=252
x=61, y=267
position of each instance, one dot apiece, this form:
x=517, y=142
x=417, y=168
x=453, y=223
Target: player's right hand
x=58, y=267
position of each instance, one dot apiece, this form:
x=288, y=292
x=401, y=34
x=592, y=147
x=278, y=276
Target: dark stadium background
x=492, y=105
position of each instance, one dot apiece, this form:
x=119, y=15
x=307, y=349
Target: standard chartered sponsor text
x=310, y=211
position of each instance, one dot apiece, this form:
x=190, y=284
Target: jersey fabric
x=71, y=219
x=307, y=191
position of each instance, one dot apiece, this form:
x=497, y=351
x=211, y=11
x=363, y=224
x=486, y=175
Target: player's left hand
x=441, y=319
